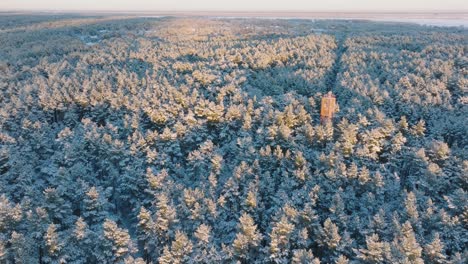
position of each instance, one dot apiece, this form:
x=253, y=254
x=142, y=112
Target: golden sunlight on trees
x=203, y=140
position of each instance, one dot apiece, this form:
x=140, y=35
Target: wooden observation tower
x=328, y=107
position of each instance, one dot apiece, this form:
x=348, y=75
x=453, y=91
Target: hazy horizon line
x=396, y=11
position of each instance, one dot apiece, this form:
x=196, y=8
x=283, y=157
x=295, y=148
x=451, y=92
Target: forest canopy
x=198, y=140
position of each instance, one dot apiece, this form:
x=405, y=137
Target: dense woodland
x=190, y=140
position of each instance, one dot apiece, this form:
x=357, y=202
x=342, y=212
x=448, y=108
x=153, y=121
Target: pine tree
x=352, y=171
x=251, y=200
x=378, y=181
x=155, y=228
x=342, y=260
x=247, y=239
x=408, y=245
x=203, y=233
x=397, y=142
x=165, y=216
x=337, y=208
x=118, y=244
x=302, y=256
x=81, y=227
x=280, y=235
x=204, y=250
x=403, y=124
x=3, y=251
x=324, y=133
x=348, y=137
x=180, y=250
x=94, y=210
x=146, y=232
x=131, y=260
x=166, y=256
x=81, y=243
x=434, y=251
x=419, y=129
x=411, y=207
x=22, y=249
x=439, y=151
x=53, y=244
x=57, y=207
x=375, y=251
x=364, y=176
x=329, y=236
x=9, y=215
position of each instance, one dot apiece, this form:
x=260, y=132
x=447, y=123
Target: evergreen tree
x=408, y=246
x=22, y=249
x=329, y=236
x=3, y=251
x=180, y=251
x=375, y=251
x=94, y=210
x=9, y=215
x=117, y=243
x=342, y=260
x=302, y=256
x=247, y=239
x=419, y=129
x=434, y=251
x=53, y=244
x=280, y=236
x=411, y=207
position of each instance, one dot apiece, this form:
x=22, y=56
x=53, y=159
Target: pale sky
x=237, y=5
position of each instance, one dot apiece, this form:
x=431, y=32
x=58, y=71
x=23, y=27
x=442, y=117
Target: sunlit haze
x=237, y=5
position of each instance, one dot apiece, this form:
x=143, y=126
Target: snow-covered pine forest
x=190, y=140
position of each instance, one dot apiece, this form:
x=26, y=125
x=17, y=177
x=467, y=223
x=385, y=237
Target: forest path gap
x=332, y=75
